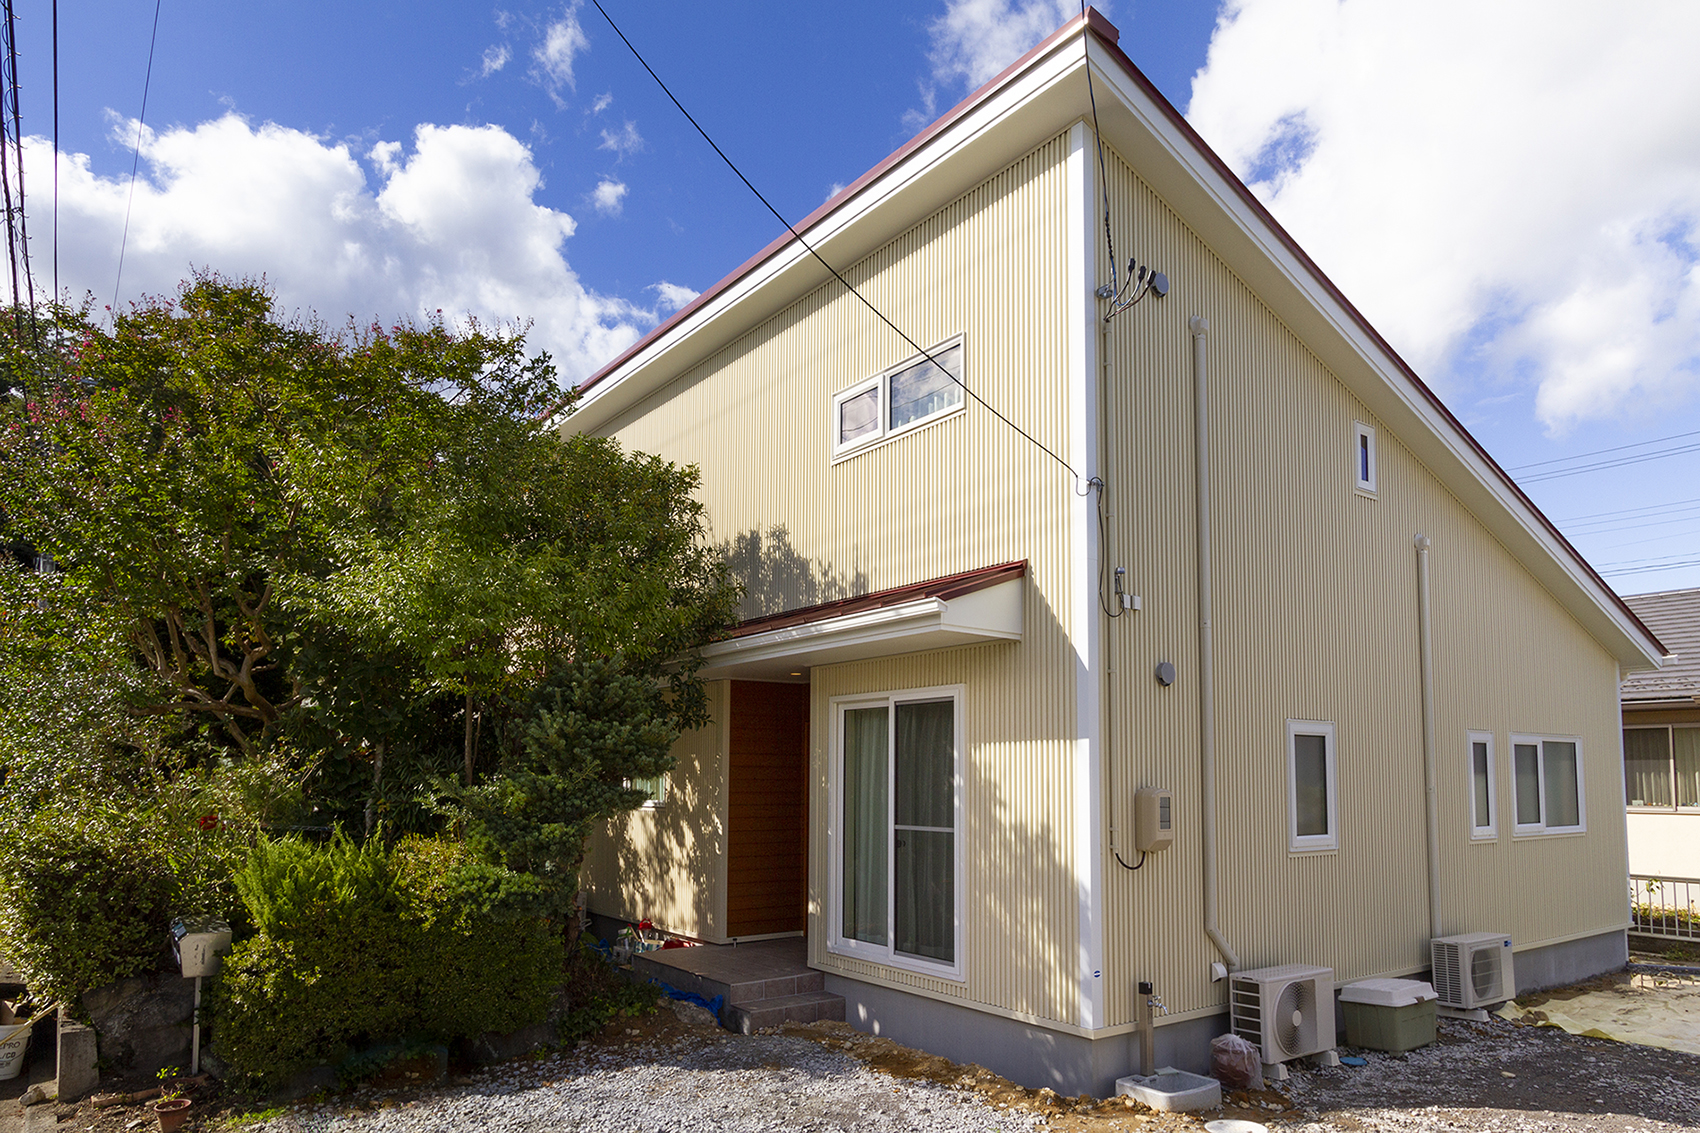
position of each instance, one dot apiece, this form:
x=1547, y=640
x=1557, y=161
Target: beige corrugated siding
x=668, y=863
x=1316, y=618
x=960, y=493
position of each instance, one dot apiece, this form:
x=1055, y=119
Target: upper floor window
x=1363, y=456
x=909, y=394
x=1547, y=780
x=1661, y=767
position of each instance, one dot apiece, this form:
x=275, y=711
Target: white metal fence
x=1667, y=907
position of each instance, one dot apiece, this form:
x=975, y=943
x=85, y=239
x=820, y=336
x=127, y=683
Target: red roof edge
x=1109, y=36
x=1263, y=214
x=951, y=586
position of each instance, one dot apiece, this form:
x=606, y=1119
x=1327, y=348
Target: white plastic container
x=14, y=1041
x=1390, y=1015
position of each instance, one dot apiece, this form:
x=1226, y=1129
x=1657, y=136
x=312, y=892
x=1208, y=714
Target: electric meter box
x=1153, y=819
x=196, y=943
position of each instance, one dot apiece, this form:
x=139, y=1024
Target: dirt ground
x=1496, y=1075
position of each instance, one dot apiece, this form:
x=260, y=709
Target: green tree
x=346, y=547
x=579, y=742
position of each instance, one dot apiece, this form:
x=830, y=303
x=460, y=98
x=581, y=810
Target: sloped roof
x=1044, y=92
x=953, y=586
x=1674, y=615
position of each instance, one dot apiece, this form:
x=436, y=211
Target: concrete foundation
x=77, y=1060
x=1027, y=1054
x=1034, y=1056
x=1558, y=964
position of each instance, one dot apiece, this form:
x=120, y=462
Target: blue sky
x=1517, y=210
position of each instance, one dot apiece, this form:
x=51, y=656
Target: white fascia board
x=1213, y=207
x=992, y=614
x=1028, y=110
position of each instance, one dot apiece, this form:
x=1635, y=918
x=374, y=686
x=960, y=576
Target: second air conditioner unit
x=1288, y=1011
x=1473, y=970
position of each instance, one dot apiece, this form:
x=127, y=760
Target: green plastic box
x=1390, y=1015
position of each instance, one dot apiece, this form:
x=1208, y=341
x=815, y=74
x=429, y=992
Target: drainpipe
x=1200, y=326
x=1431, y=801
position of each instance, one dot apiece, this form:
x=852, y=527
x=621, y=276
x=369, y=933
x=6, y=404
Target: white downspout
x=1431, y=796
x=1199, y=326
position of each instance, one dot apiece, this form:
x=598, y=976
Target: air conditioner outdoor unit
x=1288, y=1011
x=1473, y=970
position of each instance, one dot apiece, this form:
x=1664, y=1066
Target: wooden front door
x=767, y=854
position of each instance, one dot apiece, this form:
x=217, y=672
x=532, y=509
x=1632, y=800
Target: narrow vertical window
x=1363, y=456
x=1313, y=816
x=865, y=808
x=1483, y=821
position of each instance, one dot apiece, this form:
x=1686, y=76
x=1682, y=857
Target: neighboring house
x=929, y=735
x=1661, y=742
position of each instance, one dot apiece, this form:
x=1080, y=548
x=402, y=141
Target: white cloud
x=1510, y=189
x=496, y=57
x=603, y=102
x=452, y=224
x=625, y=140
x=836, y=188
x=975, y=39
x=609, y=197
x=671, y=296
x=563, y=40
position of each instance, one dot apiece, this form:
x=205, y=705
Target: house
x=1661, y=742
x=1019, y=564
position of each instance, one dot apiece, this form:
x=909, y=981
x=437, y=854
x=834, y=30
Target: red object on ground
x=666, y=944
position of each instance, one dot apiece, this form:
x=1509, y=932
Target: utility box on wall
x=1153, y=819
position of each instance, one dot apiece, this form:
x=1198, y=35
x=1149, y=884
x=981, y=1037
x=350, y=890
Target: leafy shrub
x=89, y=885
x=599, y=994
x=360, y=943
x=82, y=903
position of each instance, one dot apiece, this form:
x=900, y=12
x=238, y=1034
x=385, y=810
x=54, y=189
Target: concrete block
x=78, y=1072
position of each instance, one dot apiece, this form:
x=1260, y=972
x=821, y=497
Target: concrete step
x=806, y=1007
x=735, y=989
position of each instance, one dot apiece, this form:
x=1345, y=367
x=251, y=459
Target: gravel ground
x=687, y=1083
x=666, y=1073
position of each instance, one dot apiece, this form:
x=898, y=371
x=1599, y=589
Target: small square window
x=655, y=787
x=1312, y=814
x=1363, y=456
x=1547, y=774
x=915, y=391
x=1484, y=823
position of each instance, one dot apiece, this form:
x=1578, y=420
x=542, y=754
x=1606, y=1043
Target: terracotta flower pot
x=172, y=1113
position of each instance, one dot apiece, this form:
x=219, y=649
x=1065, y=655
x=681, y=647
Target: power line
x=1603, y=451
x=1618, y=462
x=136, y=163
x=56, y=151
x=1652, y=569
x=848, y=286
x=18, y=141
x=1648, y=509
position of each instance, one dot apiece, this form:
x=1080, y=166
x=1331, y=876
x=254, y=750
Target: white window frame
x=1363, y=443
x=1482, y=831
x=886, y=954
x=1305, y=843
x=1539, y=740
x=657, y=800
x=882, y=381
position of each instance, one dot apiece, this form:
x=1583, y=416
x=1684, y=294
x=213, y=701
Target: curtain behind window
x=865, y=816
x=1646, y=766
x=925, y=877
x=1686, y=749
x=1563, y=804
